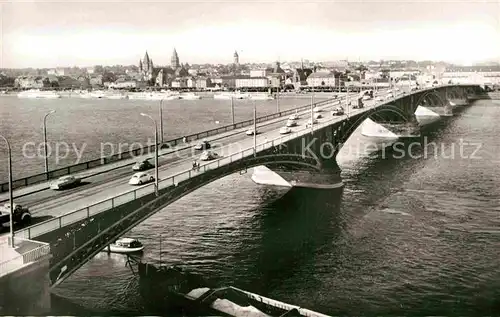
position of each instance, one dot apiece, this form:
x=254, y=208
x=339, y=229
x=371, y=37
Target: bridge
x=90, y=217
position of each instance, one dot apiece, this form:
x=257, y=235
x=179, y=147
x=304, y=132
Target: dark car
x=203, y=146
x=142, y=166
x=22, y=215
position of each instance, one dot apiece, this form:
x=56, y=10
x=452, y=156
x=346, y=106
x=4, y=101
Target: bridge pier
x=324, y=179
x=387, y=132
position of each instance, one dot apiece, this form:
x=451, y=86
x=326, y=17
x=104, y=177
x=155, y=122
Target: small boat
x=190, y=96
x=229, y=96
x=37, y=93
x=261, y=97
x=126, y=245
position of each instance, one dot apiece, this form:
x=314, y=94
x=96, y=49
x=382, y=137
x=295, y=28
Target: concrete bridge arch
x=432, y=98
x=150, y=204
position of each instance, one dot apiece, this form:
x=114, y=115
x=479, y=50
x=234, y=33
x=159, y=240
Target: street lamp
x=312, y=113
x=232, y=110
x=161, y=121
x=45, y=142
x=156, y=151
x=278, y=100
x=254, y=129
x=11, y=198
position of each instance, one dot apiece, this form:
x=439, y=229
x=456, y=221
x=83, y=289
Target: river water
x=412, y=235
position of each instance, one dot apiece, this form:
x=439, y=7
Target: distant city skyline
x=44, y=34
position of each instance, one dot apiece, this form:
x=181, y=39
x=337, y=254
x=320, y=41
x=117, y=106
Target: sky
x=70, y=33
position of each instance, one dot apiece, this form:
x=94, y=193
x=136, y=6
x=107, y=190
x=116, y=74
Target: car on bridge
x=294, y=116
x=285, y=130
x=22, y=215
x=318, y=116
x=209, y=155
x=379, y=98
x=140, y=178
x=64, y=182
x=251, y=132
x=316, y=109
x=142, y=165
x=291, y=123
x=204, y=145
x=308, y=124
x=339, y=111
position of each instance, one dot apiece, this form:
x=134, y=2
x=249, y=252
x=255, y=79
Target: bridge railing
x=24, y=258
x=87, y=212
x=107, y=204
x=39, y=178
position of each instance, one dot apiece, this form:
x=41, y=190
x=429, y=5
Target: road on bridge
x=113, y=183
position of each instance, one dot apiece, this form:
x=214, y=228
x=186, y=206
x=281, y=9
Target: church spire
x=236, y=58
x=174, y=61
x=146, y=59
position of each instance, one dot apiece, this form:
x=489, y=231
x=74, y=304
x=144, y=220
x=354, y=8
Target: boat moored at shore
x=39, y=94
x=231, y=95
x=189, y=96
x=261, y=97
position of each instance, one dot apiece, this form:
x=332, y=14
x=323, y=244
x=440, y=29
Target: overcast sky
x=49, y=34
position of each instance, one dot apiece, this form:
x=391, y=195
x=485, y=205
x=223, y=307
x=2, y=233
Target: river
x=413, y=235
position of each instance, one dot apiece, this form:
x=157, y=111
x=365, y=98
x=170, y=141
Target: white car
x=208, y=156
x=204, y=145
x=250, y=132
x=309, y=123
x=389, y=96
x=339, y=111
x=379, y=98
x=291, y=123
x=65, y=182
x=140, y=178
x=293, y=117
x=285, y=130
x=318, y=116
x=316, y=109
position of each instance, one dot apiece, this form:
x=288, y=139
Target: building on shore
x=323, y=79
x=163, y=76
x=251, y=82
x=488, y=75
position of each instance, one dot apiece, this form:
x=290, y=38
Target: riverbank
x=208, y=94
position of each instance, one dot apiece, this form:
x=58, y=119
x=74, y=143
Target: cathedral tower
x=174, y=61
x=236, y=58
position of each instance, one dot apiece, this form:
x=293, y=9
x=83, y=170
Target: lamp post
x=11, y=198
x=161, y=121
x=156, y=151
x=45, y=142
x=232, y=110
x=254, y=129
x=312, y=113
x=278, y=100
